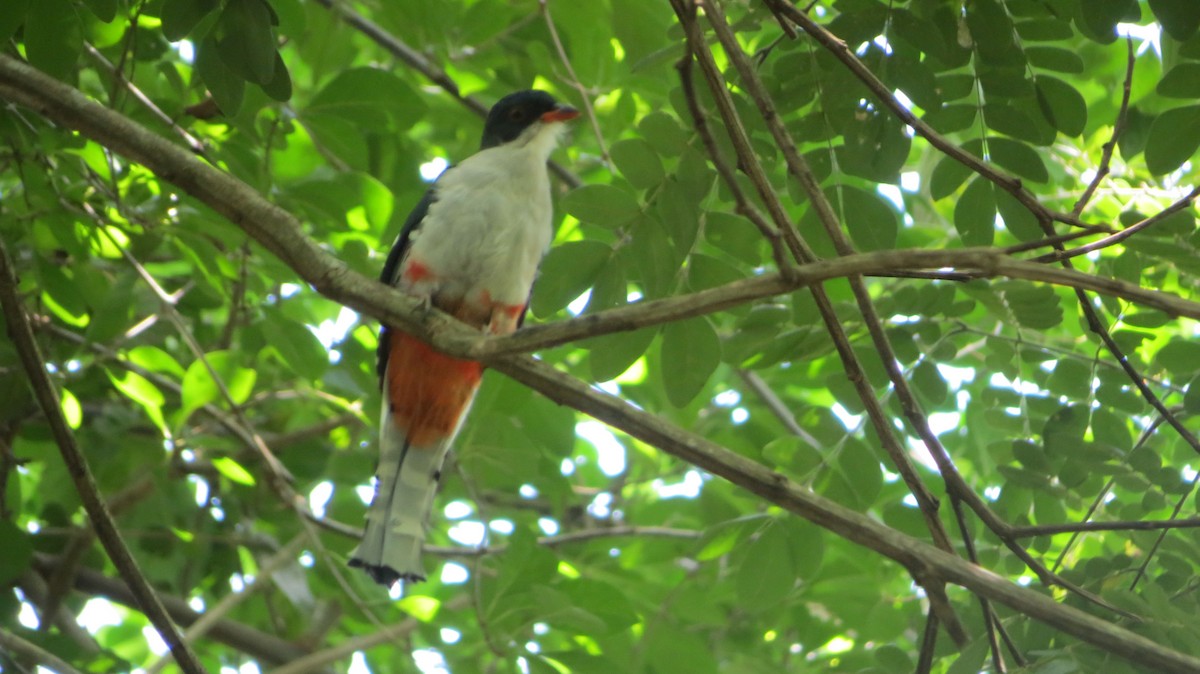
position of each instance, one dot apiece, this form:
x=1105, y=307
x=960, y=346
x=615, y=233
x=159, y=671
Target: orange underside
x=428, y=390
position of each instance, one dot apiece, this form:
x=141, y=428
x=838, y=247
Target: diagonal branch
x=85, y=483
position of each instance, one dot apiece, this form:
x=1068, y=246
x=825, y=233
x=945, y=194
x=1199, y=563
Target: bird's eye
x=516, y=115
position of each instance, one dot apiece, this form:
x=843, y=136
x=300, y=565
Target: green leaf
x=246, y=43
x=792, y=455
x=678, y=210
x=200, y=389
x=970, y=661
x=709, y=272
x=53, y=37
x=12, y=17
x=1054, y=58
x=1017, y=218
x=611, y=355
x=950, y=174
x=369, y=98
x=691, y=352
x=652, y=257
x=991, y=30
x=233, y=471
x=664, y=133
x=856, y=478
x=871, y=221
x=1013, y=121
x=1034, y=306
x=975, y=213
x=875, y=146
x=302, y=352
x=1180, y=18
x=1179, y=355
x=226, y=87
x=141, y=391
x=1100, y=17
x=1044, y=30
x=766, y=575
x=929, y=383
x=1182, y=81
x=566, y=273
x=179, y=17
x=279, y=87
x=18, y=552
x=155, y=359
x=734, y=235
x=1030, y=455
x=1061, y=104
x=105, y=10
x=71, y=410
x=638, y=162
x=1191, y=398
x=951, y=118
x=1018, y=158
x=601, y=204
x=670, y=649
x=1174, y=138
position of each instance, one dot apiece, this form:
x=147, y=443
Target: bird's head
x=523, y=115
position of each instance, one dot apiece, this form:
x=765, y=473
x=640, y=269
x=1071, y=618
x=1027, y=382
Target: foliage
x=187, y=355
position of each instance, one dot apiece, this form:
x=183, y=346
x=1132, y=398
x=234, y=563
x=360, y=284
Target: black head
x=514, y=113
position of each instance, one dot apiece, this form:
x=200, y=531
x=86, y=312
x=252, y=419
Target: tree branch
x=1124, y=525
x=257, y=644
x=89, y=492
x=13, y=644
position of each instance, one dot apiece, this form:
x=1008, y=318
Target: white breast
x=490, y=225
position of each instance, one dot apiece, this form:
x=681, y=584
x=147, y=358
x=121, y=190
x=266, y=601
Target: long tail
x=425, y=399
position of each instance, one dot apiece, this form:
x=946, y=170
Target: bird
x=471, y=248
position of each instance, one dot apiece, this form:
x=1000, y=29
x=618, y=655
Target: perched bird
x=470, y=248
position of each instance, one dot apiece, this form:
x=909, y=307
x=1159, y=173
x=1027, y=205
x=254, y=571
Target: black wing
x=391, y=269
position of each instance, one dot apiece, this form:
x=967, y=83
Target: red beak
x=561, y=113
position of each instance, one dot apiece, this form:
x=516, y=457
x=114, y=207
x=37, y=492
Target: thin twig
x=1118, y=128
x=1117, y=237
x=777, y=406
x=119, y=78
x=197, y=630
x=1121, y=525
x=575, y=83
x=571, y=538
x=321, y=659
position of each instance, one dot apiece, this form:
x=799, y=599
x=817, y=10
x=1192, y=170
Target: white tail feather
x=405, y=484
